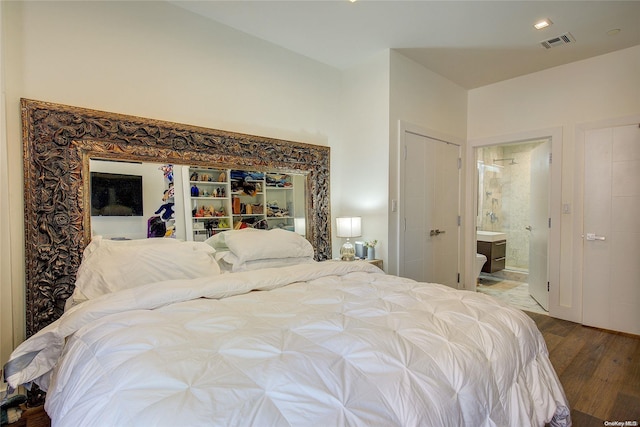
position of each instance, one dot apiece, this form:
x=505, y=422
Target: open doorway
x=508, y=223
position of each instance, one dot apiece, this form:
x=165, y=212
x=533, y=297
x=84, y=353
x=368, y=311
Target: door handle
x=528, y=227
x=593, y=236
x=436, y=232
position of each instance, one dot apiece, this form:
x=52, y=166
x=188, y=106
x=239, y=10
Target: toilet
x=480, y=260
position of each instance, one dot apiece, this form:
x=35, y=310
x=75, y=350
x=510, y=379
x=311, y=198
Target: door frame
x=407, y=127
x=554, y=135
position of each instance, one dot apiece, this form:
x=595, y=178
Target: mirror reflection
x=136, y=200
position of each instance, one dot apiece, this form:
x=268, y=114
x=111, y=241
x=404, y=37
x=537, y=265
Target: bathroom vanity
x=493, y=245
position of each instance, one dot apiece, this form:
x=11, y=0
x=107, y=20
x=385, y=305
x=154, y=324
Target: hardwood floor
x=599, y=370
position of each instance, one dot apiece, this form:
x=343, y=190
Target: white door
x=431, y=197
x=539, y=224
x=611, y=235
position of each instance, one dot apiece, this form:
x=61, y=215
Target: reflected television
x=116, y=194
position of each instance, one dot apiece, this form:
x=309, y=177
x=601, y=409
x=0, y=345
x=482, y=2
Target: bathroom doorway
x=507, y=223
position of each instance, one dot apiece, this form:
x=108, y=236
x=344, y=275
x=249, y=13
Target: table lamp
x=348, y=227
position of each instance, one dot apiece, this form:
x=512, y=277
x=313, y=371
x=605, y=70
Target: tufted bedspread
x=323, y=344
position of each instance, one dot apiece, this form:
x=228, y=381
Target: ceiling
x=472, y=43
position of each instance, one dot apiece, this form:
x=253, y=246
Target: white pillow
x=113, y=266
x=218, y=241
x=229, y=262
x=266, y=244
x=100, y=242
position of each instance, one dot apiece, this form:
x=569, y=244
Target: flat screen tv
x=115, y=194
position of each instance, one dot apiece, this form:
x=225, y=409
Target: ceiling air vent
x=565, y=38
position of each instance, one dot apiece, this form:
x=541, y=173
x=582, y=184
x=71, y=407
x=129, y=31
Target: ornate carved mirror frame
x=58, y=142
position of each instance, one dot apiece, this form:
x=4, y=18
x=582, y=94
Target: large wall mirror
x=240, y=179
x=138, y=200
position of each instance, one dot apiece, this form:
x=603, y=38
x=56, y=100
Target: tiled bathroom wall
x=491, y=180
x=503, y=199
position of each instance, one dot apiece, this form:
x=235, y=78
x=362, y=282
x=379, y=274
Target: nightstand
x=33, y=417
x=376, y=262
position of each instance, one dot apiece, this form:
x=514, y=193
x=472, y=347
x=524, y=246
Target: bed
x=256, y=332
x=245, y=329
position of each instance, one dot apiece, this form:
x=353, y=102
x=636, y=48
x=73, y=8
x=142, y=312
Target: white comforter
x=323, y=344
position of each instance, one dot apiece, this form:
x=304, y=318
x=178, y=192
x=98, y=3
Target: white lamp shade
x=349, y=226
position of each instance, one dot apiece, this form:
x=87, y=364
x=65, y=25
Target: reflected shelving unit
x=223, y=199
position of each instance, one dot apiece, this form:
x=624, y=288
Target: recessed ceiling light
x=542, y=24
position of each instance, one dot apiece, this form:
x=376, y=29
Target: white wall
x=568, y=98
x=6, y=297
x=434, y=104
x=360, y=165
x=377, y=94
x=150, y=59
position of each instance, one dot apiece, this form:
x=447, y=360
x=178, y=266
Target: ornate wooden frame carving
x=58, y=141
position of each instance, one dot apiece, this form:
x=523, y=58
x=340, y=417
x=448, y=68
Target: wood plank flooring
x=599, y=370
